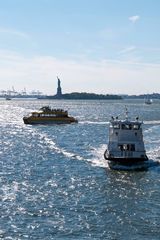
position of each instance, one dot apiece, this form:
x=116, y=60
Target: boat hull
x=128, y=161
x=34, y=121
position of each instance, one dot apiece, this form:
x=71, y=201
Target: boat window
x=120, y=146
x=126, y=126
x=126, y=147
x=136, y=126
x=116, y=126
x=132, y=147
x=35, y=115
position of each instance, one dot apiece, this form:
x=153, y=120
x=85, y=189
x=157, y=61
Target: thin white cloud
x=127, y=50
x=105, y=76
x=134, y=19
x=14, y=32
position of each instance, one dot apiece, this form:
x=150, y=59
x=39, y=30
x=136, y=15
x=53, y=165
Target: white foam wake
x=92, y=122
x=98, y=157
x=154, y=122
x=53, y=146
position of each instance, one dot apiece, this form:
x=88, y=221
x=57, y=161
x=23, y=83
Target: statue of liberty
x=59, y=89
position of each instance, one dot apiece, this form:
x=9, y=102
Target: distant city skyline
x=99, y=46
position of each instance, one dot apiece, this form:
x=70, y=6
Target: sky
x=100, y=46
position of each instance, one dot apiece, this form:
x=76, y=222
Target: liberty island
x=78, y=95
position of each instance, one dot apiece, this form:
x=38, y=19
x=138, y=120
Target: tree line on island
x=84, y=95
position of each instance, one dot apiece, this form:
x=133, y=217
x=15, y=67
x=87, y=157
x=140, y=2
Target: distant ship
x=8, y=98
x=46, y=115
x=126, y=144
x=148, y=100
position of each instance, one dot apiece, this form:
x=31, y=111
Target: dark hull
x=128, y=161
x=49, y=121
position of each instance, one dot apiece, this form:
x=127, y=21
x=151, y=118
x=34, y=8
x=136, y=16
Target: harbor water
x=56, y=184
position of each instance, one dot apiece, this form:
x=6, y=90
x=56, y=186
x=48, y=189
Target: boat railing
x=127, y=154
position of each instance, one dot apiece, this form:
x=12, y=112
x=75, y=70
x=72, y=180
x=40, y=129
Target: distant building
x=59, y=89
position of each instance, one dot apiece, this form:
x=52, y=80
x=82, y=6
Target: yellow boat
x=46, y=115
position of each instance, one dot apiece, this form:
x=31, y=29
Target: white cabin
x=125, y=141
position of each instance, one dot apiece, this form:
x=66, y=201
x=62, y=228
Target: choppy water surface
x=55, y=184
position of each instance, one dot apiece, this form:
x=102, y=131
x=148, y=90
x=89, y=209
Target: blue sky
x=102, y=46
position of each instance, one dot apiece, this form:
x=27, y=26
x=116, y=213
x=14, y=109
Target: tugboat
x=46, y=115
x=126, y=144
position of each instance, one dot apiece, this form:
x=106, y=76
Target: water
x=55, y=183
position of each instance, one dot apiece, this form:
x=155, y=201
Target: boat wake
x=154, y=122
x=52, y=145
x=96, y=161
x=92, y=122
x=98, y=157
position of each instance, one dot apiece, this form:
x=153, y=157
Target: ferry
x=125, y=144
x=46, y=115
